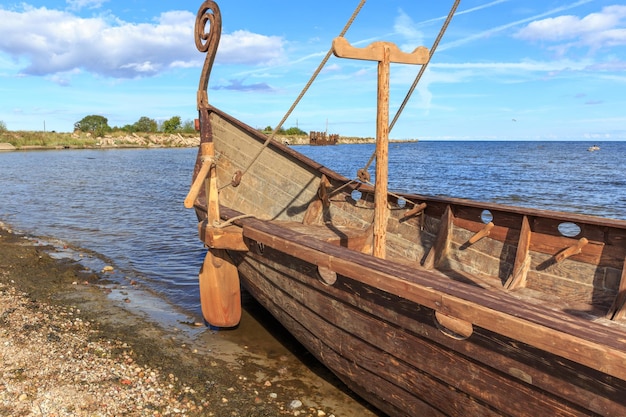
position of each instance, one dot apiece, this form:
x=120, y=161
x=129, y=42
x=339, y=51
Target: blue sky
x=505, y=69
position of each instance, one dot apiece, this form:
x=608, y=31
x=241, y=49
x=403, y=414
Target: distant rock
x=6, y=147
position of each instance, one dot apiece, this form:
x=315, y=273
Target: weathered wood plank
x=383, y=369
x=372, y=386
x=588, y=343
x=397, y=355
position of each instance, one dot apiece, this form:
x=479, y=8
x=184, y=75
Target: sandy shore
x=68, y=349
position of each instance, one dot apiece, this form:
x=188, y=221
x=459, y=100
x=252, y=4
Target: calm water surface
x=125, y=206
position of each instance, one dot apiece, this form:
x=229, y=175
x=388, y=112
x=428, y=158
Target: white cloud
x=54, y=41
x=84, y=4
x=595, y=30
x=243, y=47
x=406, y=27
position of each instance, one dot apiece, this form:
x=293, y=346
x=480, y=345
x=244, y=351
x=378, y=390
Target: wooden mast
x=384, y=53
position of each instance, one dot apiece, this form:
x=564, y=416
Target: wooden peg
x=207, y=153
x=572, y=250
x=417, y=209
x=484, y=232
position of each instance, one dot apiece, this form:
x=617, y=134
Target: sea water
x=125, y=206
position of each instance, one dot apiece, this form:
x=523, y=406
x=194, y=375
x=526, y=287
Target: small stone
x=273, y=395
x=320, y=413
x=295, y=404
x=107, y=268
x=22, y=397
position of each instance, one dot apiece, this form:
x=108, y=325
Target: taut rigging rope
x=306, y=87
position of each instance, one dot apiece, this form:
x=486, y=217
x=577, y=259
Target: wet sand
x=73, y=343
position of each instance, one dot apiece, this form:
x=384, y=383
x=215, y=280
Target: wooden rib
x=618, y=309
x=439, y=250
x=522, y=258
x=321, y=203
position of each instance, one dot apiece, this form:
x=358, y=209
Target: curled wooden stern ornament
x=220, y=296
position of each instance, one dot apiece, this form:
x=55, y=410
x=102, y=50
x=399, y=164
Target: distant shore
x=10, y=141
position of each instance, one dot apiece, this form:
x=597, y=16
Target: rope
x=306, y=87
x=419, y=75
x=232, y=220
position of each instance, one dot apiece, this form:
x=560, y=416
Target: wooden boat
x=425, y=306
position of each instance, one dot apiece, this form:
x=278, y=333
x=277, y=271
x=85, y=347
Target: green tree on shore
x=145, y=124
x=171, y=125
x=189, y=126
x=94, y=124
x=3, y=126
x=294, y=131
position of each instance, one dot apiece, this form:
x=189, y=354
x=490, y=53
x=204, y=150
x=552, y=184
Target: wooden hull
x=461, y=318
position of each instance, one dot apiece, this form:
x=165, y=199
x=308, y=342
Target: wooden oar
x=220, y=296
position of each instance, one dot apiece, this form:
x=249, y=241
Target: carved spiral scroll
x=209, y=13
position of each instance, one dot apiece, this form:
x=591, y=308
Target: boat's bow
x=219, y=280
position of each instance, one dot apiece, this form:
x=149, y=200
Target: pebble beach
x=66, y=349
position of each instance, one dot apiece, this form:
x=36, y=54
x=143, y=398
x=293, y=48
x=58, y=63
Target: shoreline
x=69, y=348
x=57, y=141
